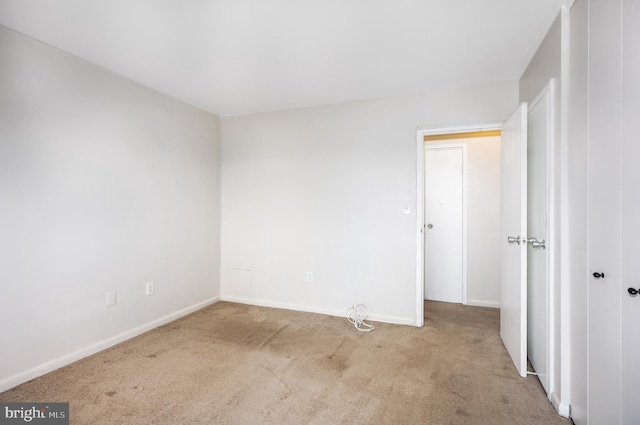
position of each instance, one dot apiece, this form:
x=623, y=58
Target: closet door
x=604, y=213
x=630, y=223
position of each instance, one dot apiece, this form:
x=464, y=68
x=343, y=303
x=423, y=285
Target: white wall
x=104, y=185
x=544, y=65
x=483, y=219
x=322, y=189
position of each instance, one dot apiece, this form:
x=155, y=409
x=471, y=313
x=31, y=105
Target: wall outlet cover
x=112, y=298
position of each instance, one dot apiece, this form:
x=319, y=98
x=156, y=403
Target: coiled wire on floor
x=356, y=315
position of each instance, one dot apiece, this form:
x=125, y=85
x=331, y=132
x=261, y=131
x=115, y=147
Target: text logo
x=34, y=413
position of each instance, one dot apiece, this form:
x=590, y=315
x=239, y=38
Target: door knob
x=429, y=226
x=598, y=275
x=512, y=239
x=633, y=291
x=536, y=243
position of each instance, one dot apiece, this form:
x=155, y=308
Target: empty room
x=278, y=212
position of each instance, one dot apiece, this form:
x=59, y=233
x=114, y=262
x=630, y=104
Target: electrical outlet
x=150, y=288
x=309, y=276
x=112, y=298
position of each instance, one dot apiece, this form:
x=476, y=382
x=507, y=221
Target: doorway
x=480, y=223
x=536, y=334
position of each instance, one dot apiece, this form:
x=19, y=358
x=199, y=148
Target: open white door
x=513, y=238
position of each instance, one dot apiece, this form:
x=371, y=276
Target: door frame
x=550, y=92
x=420, y=133
x=463, y=147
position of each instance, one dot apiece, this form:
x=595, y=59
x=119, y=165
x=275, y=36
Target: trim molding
x=563, y=409
x=318, y=310
x=484, y=303
x=65, y=360
x=455, y=136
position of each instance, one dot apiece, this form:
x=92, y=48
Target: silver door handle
x=512, y=239
x=536, y=243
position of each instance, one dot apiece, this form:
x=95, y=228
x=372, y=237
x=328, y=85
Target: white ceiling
x=237, y=56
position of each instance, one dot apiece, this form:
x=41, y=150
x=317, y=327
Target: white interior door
x=443, y=215
x=604, y=200
x=513, y=232
x=630, y=274
x=630, y=217
x=538, y=229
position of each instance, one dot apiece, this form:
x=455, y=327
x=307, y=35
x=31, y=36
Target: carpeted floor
x=239, y=364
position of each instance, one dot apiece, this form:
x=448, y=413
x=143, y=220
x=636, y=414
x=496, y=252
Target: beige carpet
x=238, y=364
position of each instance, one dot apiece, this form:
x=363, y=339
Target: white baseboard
x=330, y=312
x=483, y=303
x=54, y=364
x=563, y=409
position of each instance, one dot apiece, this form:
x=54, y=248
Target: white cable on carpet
x=356, y=316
